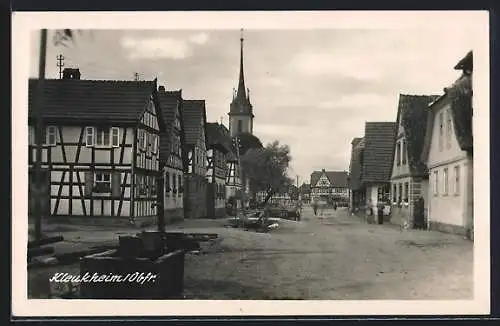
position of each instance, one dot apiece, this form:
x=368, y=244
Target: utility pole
x=60, y=64
x=242, y=187
x=39, y=100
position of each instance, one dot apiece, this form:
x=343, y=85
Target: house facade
x=448, y=153
x=100, y=156
x=329, y=186
x=409, y=178
x=305, y=192
x=377, y=166
x=216, y=170
x=195, y=151
x=171, y=160
x=357, y=194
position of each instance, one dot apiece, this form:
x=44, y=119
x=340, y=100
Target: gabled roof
x=216, y=137
x=466, y=64
x=170, y=102
x=412, y=113
x=336, y=178
x=459, y=95
x=355, y=166
x=194, y=118
x=378, y=153
x=81, y=101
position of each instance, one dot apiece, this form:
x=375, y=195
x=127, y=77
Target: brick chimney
x=71, y=73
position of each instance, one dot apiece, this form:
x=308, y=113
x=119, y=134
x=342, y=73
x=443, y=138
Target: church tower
x=241, y=111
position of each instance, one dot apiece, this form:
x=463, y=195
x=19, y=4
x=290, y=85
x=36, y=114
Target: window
x=445, y=181
x=406, y=192
x=457, y=180
x=89, y=136
x=102, y=182
x=240, y=125
x=167, y=184
x=51, y=136
x=403, y=142
x=398, y=154
x=180, y=190
x=177, y=121
x=436, y=183
x=394, y=193
x=152, y=186
x=102, y=137
x=141, y=185
x=448, y=130
x=149, y=143
x=31, y=136
x=140, y=138
x=174, y=182
x=441, y=121
x=115, y=136
x=155, y=144
x=400, y=193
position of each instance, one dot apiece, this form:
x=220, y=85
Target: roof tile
x=92, y=100
x=378, y=153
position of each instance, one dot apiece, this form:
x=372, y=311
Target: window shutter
x=89, y=136
x=116, y=184
x=89, y=183
x=115, y=136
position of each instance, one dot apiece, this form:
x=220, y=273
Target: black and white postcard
x=301, y=163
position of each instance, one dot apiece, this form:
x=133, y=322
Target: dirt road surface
x=336, y=256
x=333, y=257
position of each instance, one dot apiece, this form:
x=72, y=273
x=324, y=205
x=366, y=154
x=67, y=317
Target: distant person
x=335, y=206
x=315, y=207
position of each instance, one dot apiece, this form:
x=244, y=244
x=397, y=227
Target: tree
x=267, y=168
x=247, y=141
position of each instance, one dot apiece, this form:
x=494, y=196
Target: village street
x=335, y=256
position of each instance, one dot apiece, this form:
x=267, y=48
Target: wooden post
x=160, y=210
x=39, y=135
x=242, y=190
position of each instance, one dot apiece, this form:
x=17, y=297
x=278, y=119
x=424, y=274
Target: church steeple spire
x=241, y=94
x=241, y=110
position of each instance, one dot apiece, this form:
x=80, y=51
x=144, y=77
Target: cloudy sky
x=311, y=89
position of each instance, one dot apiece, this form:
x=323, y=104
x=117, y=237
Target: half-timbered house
x=195, y=152
x=171, y=160
x=216, y=170
x=329, y=186
x=448, y=153
x=409, y=179
x=100, y=150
